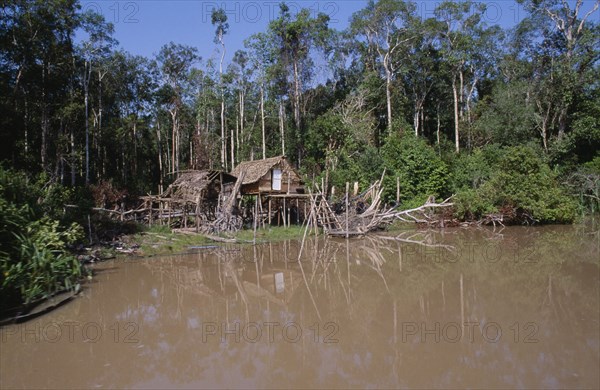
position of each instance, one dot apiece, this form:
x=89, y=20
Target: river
x=457, y=308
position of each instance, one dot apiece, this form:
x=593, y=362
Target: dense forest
x=506, y=119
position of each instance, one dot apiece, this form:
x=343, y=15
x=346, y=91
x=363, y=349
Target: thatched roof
x=191, y=184
x=256, y=169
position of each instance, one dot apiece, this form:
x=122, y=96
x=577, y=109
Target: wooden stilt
x=347, y=211
x=284, y=214
x=270, y=210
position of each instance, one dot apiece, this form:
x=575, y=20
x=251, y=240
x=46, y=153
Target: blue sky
x=143, y=26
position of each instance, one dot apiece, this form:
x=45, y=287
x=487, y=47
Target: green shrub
x=523, y=182
x=421, y=171
x=34, y=258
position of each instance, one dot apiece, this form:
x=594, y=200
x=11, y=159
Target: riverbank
x=161, y=240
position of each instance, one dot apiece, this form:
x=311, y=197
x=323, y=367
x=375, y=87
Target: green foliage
x=421, y=171
x=470, y=171
x=34, y=258
x=523, y=182
x=584, y=183
x=506, y=118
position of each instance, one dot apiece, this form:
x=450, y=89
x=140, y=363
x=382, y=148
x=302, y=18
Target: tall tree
x=175, y=62
x=462, y=23
x=294, y=39
x=385, y=24
x=567, y=37
x=260, y=58
x=240, y=70
x=36, y=40
x=219, y=19
x=92, y=51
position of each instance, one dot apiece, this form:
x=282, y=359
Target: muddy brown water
x=464, y=308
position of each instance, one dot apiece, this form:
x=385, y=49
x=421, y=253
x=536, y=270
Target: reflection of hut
x=277, y=183
x=269, y=176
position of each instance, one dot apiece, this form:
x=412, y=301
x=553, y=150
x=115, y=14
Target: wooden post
x=347, y=210
x=160, y=212
x=284, y=214
x=270, y=200
x=305, y=209
x=278, y=212
x=170, y=205
x=255, y=219
x=260, y=210
x=197, y=213
x=150, y=214
x=397, y=189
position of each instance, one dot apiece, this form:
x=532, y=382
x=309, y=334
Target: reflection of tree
x=371, y=288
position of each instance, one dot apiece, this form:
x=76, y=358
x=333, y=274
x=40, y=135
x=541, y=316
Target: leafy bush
x=421, y=171
x=585, y=184
x=523, y=182
x=34, y=260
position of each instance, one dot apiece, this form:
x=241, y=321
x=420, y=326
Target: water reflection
x=453, y=308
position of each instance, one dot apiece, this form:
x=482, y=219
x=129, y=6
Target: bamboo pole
x=347, y=210
x=284, y=214
x=270, y=201
x=255, y=221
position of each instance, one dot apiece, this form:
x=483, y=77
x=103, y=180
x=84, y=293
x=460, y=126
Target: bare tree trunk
x=160, y=162
x=100, y=112
x=417, y=115
x=174, y=141
x=73, y=158
x=232, y=150
x=297, y=88
x=135, y=159
x=86, y=83
x=237, y=136
x=282, y=125
x=262, y=118
x=223, y=140
x=438, y=124
x=456, y=118
x=45, y=124
x=388, y=97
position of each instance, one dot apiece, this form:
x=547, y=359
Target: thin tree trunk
x=232, y=150
x=456, y=118
x=282, y=126
x=73, y=159
x=438, y=124
x=45, y=126
x=86, y=83
x=223, y=140
x=160, y=162
x=297, y=88
x=262, y=117
x=388, y=97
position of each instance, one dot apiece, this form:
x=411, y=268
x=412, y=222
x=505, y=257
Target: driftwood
x=227, y=219
x=365, y=212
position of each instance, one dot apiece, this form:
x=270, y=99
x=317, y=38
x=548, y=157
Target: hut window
x=276, y=180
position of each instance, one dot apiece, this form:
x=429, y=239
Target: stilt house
x=270, y=176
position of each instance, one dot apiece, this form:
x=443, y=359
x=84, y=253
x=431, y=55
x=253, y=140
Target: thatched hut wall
x=269, y=176
x=206, y=185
